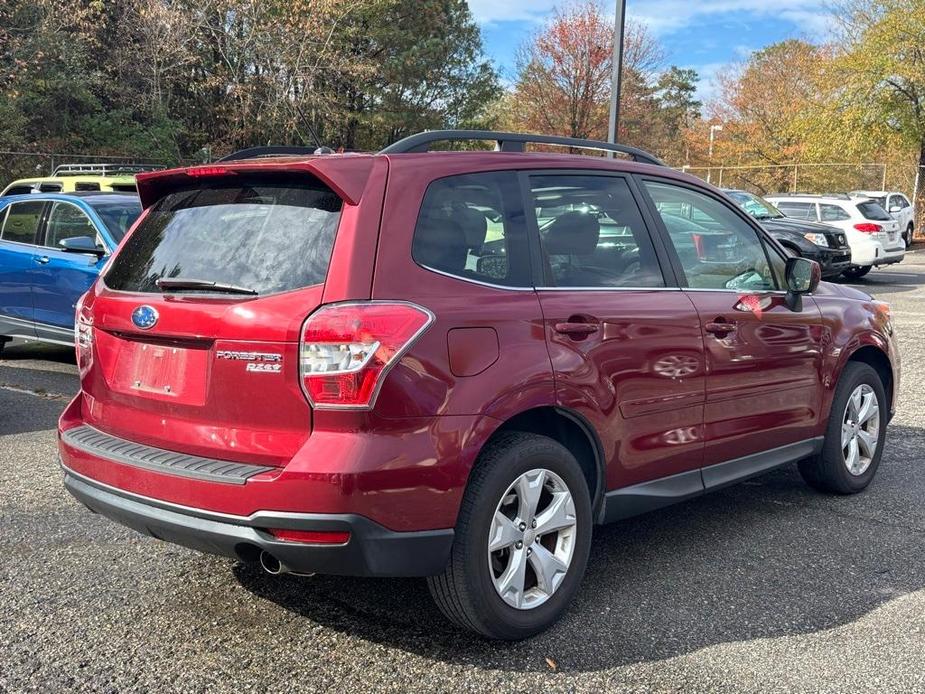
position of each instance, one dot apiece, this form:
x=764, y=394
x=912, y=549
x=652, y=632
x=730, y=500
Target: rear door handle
x=41, y=259
x=576, y=329
x=720, y=328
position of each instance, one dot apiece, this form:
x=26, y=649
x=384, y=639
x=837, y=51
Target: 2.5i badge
x=257, y=362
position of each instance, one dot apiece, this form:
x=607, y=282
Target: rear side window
x=592, y=233
x=469, y=227
x=268, y=235
x=798, y=210
x=832, y=213
x=22, y=222
x=872, y=210
x=51, y=187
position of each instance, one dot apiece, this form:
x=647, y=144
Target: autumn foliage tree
x=564, y=81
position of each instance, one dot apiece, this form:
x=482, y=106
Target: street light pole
x=717, y=127
x=619, y=25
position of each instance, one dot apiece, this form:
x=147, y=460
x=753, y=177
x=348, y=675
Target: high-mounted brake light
x=868, y=228
x=197, y=171
x=347, y=350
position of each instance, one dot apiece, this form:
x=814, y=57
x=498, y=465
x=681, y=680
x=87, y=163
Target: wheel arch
x=877, y=359
x=574, y=432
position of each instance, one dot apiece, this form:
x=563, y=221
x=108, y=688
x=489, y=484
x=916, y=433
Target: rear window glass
x=118, y=216
x=872, y=210
x=266, y=235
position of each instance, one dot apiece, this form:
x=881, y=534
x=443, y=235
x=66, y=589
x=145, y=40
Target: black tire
x=857, y=272
x=910, y=232
x=828, y=471
x=465, y=591
x=3, y=341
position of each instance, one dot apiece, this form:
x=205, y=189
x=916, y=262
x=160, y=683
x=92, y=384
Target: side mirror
x=81, y=244
x=895, y=208
x=803, y=277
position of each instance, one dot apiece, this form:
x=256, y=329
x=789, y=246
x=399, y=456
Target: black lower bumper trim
x=372, y=550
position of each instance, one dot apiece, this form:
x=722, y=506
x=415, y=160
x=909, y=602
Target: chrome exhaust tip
x=271, y=564
x=275, y=567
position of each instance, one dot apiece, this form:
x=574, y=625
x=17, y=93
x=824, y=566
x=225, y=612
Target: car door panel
x=19, y=223
x=763, y=358
x=62, y=277
x=627, y=358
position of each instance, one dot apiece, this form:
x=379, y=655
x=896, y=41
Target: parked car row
x=847, y=234
x=453, y=365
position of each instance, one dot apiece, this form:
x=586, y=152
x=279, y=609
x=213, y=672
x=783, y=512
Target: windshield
x=263, y=235
x=118, y=216
x=759, y=208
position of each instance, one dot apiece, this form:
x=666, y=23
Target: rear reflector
x=347, y=350
x=311, y=537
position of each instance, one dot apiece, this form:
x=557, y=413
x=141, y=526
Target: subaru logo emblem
x=145, y=317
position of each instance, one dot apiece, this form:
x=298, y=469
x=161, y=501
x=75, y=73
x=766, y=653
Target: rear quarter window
x=268, y=234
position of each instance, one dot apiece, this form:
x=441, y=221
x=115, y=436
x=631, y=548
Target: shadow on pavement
x=765, y=559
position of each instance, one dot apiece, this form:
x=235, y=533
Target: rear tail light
x=347, y=350
x=83, y=337
x=311, y=537
x=868, y=228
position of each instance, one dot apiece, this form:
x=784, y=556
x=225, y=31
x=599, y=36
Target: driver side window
x=65, y=221
x=717, y=249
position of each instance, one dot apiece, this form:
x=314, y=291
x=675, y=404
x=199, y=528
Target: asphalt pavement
x=766, y=586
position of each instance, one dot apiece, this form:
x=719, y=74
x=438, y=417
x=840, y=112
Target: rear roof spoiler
x=346, y=176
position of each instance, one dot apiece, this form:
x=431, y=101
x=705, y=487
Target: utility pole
x=619, y=26
x=716, y=127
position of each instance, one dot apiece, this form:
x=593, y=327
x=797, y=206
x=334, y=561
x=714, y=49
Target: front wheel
x=522, y=540
x=857, y=271
x=854, y=436
x=907, y=237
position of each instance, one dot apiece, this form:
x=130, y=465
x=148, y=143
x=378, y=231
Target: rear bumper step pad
x=95, y=442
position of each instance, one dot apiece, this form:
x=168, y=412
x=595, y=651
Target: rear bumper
x=890, y=257
x=372, y=550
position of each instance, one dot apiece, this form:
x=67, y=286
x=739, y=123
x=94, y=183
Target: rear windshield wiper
x=166, y=284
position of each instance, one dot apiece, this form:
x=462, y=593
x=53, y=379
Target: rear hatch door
x=195, y=324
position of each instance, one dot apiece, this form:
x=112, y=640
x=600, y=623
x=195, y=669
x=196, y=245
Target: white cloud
x=708, y=86
x=491, y=11
x=667, y=16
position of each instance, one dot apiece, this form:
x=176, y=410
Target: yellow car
x=72, y=178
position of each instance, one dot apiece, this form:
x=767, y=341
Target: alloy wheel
x=860, y=430
x=532, y=539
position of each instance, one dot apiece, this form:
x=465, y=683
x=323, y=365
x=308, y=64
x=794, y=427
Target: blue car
x=52, y=247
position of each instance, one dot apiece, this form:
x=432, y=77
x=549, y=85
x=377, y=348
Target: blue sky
x=706, y=35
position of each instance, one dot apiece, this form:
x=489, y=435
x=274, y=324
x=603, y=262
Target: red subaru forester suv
x=455, y=364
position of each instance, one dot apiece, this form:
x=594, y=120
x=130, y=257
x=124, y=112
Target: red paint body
x=660, y=395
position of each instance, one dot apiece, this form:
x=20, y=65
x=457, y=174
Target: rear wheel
x=857, y=271
x=854, y=436
x=522, y=540
x=907, y=237
x=3, y=341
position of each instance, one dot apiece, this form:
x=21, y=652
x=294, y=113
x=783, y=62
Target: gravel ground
x=766, y=586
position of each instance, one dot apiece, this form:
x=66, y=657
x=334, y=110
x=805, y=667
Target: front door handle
x=42, y=259
x=576, y=329
x=720, y=328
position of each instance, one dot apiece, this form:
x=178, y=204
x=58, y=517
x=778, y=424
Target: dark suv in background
x=455, y=364
x=825, y=244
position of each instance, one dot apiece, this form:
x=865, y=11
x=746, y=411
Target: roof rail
x=273, y=151
x=104, y=169
x=512, y=142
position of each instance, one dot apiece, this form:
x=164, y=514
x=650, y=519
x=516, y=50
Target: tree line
x=167, y=79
